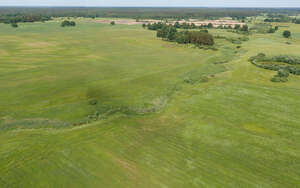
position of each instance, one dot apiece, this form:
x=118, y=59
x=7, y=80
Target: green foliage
x=67, y=23
x=194, y=37
x=32, y=13
x=278, y=18
x=210, y=25
x=170, y=33
x=282, y=76
x=237, y=26
x=17, y=18
x=283, y=71
x=112, y=23
x=93, y=101
x=261, y=28
x=297, y=21
x=167, y=32
x=277, y=78
x=194, y=80
x=15, y=25
x=245, y=28
x=271, y=30
x=200, y=38
x=286, y=34
x=293, y=60
x=177, y=25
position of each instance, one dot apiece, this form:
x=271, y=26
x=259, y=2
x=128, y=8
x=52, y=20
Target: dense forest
x=31, y=14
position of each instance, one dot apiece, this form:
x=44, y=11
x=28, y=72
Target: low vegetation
x=281, y=76
x=287, y=34
x=15, y=25
x=171, y=33
x=67, y=23
x=113, y=106
x=283, y=64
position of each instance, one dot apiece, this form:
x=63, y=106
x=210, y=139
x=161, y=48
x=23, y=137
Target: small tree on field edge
x=112, y=23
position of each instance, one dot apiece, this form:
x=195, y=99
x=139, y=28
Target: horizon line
x=91, y=6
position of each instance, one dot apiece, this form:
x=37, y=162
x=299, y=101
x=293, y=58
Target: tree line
x=141, y=13
x=171, y=33
x=185, y=25
x=10, y=19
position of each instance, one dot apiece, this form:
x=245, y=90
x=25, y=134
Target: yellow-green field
x=158, y=122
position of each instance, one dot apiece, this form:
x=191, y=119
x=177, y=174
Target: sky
x=155, y=3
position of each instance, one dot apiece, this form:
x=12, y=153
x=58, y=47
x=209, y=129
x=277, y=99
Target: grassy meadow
x=168, y=115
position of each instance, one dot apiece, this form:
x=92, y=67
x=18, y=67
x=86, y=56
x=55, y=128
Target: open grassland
x=162, y=125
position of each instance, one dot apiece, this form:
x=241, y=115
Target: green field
x=159, y=123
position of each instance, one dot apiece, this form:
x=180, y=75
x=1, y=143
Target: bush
x=271, y=30
x=170, y=33
x=279, y=79
x=192, y=79
x=93, y=102
x=245, y=28
x=167, y=32
x=283, y=73
x=15, y=25
x=113, y=23
x=200, y=38
x=181, y=38
x=287, y=34
x=67, y=23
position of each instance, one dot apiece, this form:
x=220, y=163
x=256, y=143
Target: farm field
x=114, y=106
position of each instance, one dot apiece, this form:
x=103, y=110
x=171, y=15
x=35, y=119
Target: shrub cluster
x=296, y=21
x=292, y=66
x=273, y=30
x=15, y=25
x=185, y=25
x=170, y=33
x=293, y=60
x=287, y=34
x=67, y=23
x=177, y=25
x=195, y=79
x=194, y=37
x=278, y=18
x=8, y=19
x=282, y=76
